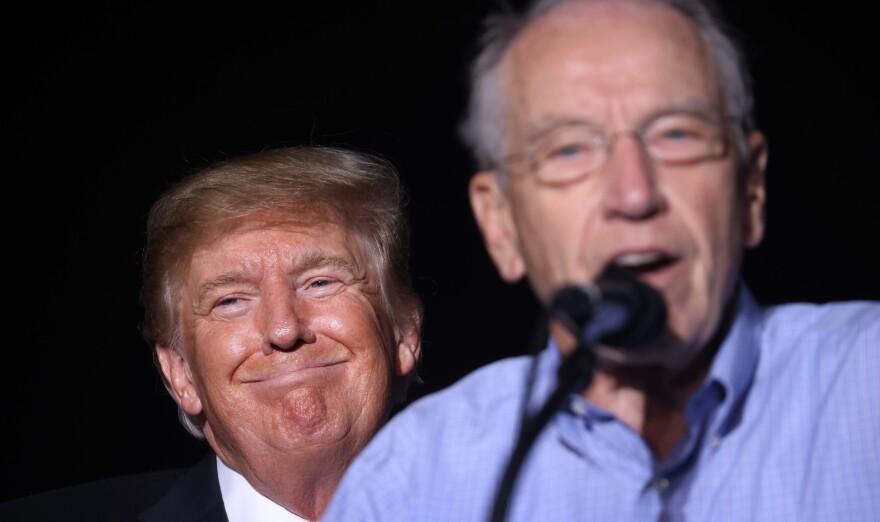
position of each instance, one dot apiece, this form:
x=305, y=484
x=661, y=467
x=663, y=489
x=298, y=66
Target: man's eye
x=677, y=134
x=568, y=149
x=227, y=301
x=323, y=286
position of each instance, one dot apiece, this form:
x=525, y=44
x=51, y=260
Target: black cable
x=617, y=310
x=575, y=373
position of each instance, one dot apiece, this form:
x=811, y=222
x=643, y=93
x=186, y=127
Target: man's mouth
x=642, y=263
x=285, y=372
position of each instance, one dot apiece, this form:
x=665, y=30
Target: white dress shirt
x=244, y=503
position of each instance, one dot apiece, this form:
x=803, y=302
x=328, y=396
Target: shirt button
x=578, y=407
x=661, y=484
x=714, y=441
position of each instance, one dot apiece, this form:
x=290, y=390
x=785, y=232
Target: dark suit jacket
x=174, y=495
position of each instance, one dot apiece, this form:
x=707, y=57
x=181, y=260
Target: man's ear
x=494, y=217
x=177, y=373
x=409, y=348
x=756, y=190
x=408, y=354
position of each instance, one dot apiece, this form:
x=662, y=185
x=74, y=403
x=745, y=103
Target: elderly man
x=616, y=136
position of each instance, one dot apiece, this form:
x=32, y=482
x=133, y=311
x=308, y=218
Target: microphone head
x=576, y=304
x=647, y=317
x=618, y=310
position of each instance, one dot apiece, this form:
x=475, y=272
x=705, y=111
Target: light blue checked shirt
x=785, y=428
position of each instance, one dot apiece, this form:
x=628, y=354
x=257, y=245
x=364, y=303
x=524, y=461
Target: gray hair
x=360, y=190
x=482, y=128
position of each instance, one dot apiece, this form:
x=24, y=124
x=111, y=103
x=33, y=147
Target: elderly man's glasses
x=570, y=152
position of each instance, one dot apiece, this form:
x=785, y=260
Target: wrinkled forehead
x=301, y=218
x=604, y=60
x=318, y=223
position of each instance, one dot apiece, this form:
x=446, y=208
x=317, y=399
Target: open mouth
x=642, y=263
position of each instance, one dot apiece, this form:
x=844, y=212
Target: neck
x=301, y=484
x=306, y=494
x=652, y=399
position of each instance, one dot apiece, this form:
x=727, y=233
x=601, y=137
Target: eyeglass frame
x=606, y=141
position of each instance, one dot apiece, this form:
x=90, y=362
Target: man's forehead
x=597, y=42
x=613, y=64
x=310, y=239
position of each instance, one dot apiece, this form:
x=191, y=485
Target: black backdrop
x=105, y=104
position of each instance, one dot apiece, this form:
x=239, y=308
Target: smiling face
x=681, y=228
x=289, y=355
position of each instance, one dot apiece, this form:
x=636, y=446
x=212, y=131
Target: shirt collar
x=732, y=368
x=243, y=503
x=734, y=364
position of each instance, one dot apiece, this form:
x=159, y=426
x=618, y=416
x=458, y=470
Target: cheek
x=357, y=399
x=353, y=327
x=554, y=230
x=370, y=396
x=715, y=226
x=710, y=207
x=723, y=235
x=371, y=339
x=222, y=348
x=356, y=325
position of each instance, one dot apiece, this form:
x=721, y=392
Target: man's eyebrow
x=222, y=280
x=549, y=124
x=321, y=258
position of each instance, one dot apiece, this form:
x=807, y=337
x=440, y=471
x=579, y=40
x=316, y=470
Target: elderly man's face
x=680, y=227
x=288, y=349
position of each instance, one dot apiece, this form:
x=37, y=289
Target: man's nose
x=631, y=190
x=287, y=325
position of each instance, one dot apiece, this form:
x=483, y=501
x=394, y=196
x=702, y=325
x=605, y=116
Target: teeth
x=644, y=258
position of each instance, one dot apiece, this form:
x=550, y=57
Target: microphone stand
x=618, y=311
x=575, y=374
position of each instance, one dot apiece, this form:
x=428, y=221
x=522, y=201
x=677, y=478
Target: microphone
x=617, y=310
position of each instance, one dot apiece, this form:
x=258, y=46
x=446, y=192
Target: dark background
x=104, y=105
